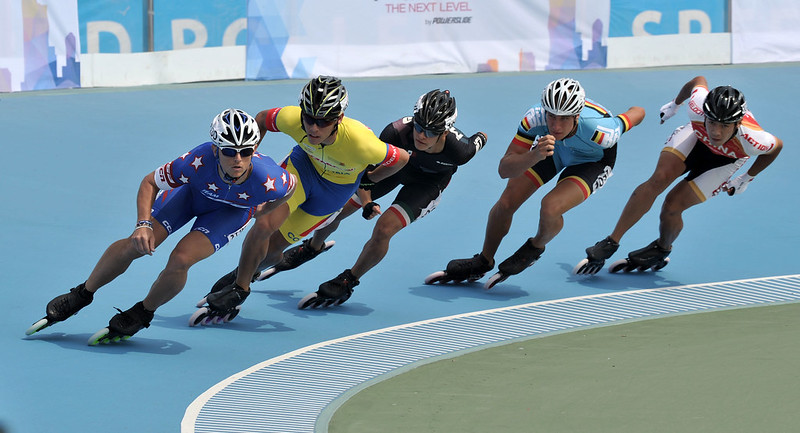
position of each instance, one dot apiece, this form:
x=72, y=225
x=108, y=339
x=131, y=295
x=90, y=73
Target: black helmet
x=436, y=111
x=323, y=97
x=724, y=104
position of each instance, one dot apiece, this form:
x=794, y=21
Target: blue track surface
x=74, y=160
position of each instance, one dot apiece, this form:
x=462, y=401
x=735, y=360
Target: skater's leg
x=565, y=196
x=321, y=235
x=669, y=167
x=118, y=257
x=263, y=245
x=679, y=199
x=194, y=247
x=517, y=191
x=376, y=247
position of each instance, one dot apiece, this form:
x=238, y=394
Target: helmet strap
x=230, y=179
x=574, y=127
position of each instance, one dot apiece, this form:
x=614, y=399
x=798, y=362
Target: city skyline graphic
x=40, y=61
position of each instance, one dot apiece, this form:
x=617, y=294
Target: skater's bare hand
x=144, y=241
x=544, y=147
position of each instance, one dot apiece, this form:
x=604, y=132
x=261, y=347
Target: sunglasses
x=322, y=123
x=231, y=152
x=428, y=133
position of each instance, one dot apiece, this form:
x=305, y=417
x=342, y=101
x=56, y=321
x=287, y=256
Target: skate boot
x=123, y=325
x=294, y=257
x=458, y=270
x=62, y=307
x=224, y=281
x=333, y=292
x=223, y=306
x=652, y=257
x=524, y=257
x=596, y=257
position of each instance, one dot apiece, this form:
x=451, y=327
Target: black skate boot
x=524, y=257
x=223, y=306
x=332, y=292
x=224, y=281
x=596, y=257
x=653, y=257
x=123, y=325
x=458, y=270
x=63, y=307
x=294, y=257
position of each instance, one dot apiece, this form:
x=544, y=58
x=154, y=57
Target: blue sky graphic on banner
x=657, y=17
x=118, y=26
x=267, y=38
x=40, y=45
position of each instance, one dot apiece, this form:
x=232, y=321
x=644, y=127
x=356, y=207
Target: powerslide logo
x=450, y=20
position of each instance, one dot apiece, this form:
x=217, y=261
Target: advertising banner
x=40, y=48
x=765, y=31
x=305, y=38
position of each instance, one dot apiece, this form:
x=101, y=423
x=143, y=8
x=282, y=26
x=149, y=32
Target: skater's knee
x=659, y=181
x=180, y=261
x=386, y=227
x=551, y=208
x=673, y=205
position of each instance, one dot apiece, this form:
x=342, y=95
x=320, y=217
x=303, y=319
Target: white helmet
x=563, y=97
x=235, y=128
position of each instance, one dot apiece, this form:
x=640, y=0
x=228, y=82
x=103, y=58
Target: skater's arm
x=518, y=159
x=764, y=160
x=635, y=115
x=686, y=90
x=143, y=238
x=382, y=172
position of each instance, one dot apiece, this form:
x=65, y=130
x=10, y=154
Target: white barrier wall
x=160, y=67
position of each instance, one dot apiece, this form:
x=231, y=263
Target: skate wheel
x=577, y=269
x=99, y=337
x=619, y=265
x=661, y=265
x=202, y=303
x=198, y=317
x=38, y=326
x=475, y=278
x=230, y=316
x=310, y=300
x=436, y=277
x=494, y=279
x=266, y=273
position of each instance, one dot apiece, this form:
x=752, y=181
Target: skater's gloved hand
x=371, y=210
x=668, y=110
x=738, y=185
x=480, y=140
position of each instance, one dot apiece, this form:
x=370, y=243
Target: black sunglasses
x=428, y=133
x=322, y=123
x=231, y=152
